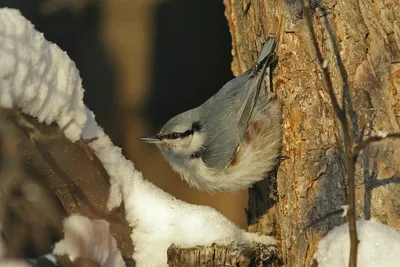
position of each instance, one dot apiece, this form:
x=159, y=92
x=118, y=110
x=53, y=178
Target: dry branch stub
x=217, y=255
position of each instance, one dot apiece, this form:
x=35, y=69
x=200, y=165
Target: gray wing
x=226, y=114
x=253, y=84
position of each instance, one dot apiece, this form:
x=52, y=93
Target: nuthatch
x=233, y=139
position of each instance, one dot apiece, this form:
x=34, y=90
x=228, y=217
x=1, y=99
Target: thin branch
x=341, y=114
x=323, y=64
x=373, y=139
x=346, y=98
x=385, y=181
x=323, y=218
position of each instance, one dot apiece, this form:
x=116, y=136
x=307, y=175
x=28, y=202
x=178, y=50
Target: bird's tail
x=267, y=50
x=254, y=82
x=267, y=60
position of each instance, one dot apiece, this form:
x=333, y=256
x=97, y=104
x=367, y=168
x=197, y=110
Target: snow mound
x=87, y=239
x=379, y=246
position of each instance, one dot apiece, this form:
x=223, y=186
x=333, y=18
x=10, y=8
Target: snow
x=345, y=209
x=379, y=246
x=325, y=64
x=382, y=134
x=38, y=77
x=89, y=239
x=51, y=258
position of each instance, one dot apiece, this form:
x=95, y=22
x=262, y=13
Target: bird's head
x=182, y=135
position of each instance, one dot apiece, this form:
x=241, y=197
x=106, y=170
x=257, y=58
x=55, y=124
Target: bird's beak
x=149, y=139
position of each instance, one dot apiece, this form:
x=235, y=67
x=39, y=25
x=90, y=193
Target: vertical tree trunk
x=363, y=39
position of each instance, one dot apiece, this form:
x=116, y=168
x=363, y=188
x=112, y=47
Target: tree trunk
x=363, y=40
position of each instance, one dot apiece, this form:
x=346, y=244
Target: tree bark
x=217, y=255
x=361, y=42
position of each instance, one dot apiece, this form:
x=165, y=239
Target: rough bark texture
x=312, y=183
x=216, y=255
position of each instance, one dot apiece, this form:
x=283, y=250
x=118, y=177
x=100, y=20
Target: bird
x=232, y=140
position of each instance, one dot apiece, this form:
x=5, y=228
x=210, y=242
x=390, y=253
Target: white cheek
x=186, y=146
x=197, y=142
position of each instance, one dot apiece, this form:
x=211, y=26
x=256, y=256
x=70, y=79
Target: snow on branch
x=40, y=79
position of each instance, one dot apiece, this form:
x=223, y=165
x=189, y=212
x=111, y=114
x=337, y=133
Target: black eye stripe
x=175, y=135
x=171, y=136
x=195, y=128
x=187, y=133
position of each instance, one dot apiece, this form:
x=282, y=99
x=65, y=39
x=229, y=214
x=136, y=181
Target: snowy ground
x=379, y=246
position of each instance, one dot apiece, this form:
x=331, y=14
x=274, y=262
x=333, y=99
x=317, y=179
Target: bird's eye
x=174, y=135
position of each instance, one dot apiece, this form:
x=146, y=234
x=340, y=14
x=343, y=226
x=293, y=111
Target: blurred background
x=142, y=62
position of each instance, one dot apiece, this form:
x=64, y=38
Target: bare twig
x=323, y=218
x=341, y=115
x=373, y=139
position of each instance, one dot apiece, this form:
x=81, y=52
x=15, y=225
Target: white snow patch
x=89, y=239
x=381, y=134
x=379, y=246
x=40, y=78
x=325, y=64
x=345, y=210
x=50, y=257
